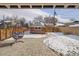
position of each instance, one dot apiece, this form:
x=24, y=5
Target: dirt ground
x=30, y=47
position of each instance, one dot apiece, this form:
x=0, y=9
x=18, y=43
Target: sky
x=28, y=14
x=64, y=15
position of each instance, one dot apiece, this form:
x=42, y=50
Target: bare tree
x=54, y=20
x=39, y=18
x=22, y=21
x=45, y=20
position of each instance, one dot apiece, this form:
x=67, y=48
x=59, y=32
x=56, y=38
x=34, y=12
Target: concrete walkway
x=30, y=47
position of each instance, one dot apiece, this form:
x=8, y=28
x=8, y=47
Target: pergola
x=38, y=5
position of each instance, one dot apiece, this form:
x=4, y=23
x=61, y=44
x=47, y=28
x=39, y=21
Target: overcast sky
x=64, y=13
x=29, y=14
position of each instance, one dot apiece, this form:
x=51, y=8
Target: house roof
x=37, y=23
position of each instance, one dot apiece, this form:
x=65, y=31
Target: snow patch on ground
x=34, y=36
x=62, y=44
x=73, y=36
x=75, y=25
x=10, y=39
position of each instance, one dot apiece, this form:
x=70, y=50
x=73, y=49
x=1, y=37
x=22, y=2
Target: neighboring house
x=37, y=27
x=40, y=25
x=8, y=24
x=5, y=24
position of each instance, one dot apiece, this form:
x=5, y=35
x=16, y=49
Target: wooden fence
x=65, y=30
x=7, y=32
x=70, y=30
x=52, y=29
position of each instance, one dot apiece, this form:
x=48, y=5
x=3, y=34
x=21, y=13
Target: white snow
x=75, y=25
x=62, y=44
x=10, y=38
x=59, y=24
x=34, y=36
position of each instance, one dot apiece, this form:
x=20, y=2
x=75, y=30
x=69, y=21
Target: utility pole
x=54, y=17
x=54, y=13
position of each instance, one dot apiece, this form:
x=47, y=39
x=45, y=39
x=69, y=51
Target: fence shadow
x=6, y=44
x=9, y=44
